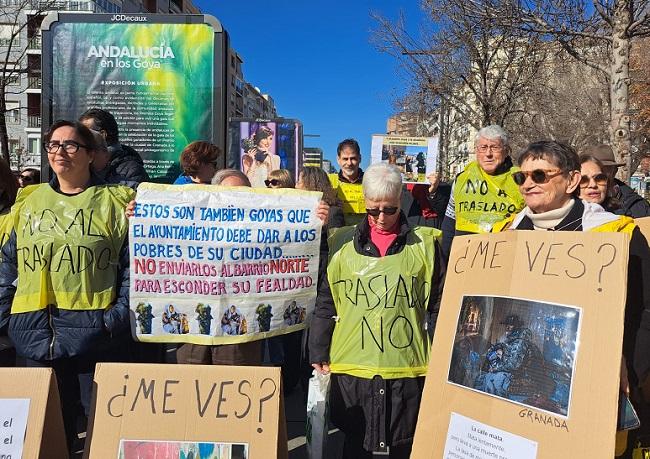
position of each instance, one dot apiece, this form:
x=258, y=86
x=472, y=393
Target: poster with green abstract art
x=156, y=79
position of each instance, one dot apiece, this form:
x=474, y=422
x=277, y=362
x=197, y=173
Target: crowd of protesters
x=71, y=323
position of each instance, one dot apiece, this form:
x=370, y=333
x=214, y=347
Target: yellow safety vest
x=351, y=197
x=68, y=246
x=381, y=307
x=481, y=199
x=5, y=230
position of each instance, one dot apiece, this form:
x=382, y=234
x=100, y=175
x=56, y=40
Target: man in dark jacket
x=632, y=204
x=125, y=164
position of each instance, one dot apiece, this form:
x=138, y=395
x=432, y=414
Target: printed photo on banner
x=220, y=265
x=519, y=350
x=416, y=157
x=259, y=147
x=136, y=449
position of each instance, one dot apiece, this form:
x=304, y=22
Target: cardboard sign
x=30, y=414
x=142, y=410
x=416, y=157
x=222, y=265
x=527, y=350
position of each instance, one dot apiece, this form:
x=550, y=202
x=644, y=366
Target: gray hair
x=223, y=174
x=493, y=132
x=382, y=181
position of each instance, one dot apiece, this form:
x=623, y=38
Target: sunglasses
x=26, y=178
x=272, y=182
x=600, y=179
x=537, y=176
x=386, y=211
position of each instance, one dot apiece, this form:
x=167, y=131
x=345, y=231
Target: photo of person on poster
x=259, y=158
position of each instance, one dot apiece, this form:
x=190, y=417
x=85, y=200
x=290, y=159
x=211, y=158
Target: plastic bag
x=317, y=415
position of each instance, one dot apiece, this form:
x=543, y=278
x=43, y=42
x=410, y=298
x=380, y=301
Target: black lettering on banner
x=419, y=293
x=501, y=193
x=459, y=259
x=401, y=292
x=600, y=272
x=104, y=259
x=109, y=404
x=248, y=407
x=348, y=284
x=483, y=188
x=90, y=224
x=66, y=251
x=168, y=394
x=409, y=331
x=549, y=258
x=584, y=267
x=265, y=399
x=468, y=185
x=51, y=218
x=360, y=286
x=483, y=247
x=80, y=212
x=380, y=346
x=148, y=392
x=531, y=263
x=370, y=281
x=495, y=254
x=204, y=407
x=222, y=398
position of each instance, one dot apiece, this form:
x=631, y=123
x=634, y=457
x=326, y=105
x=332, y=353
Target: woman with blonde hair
x=279, y=178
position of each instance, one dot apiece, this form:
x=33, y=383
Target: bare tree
x=582, y=27
x=14, y=43
x=475, y=67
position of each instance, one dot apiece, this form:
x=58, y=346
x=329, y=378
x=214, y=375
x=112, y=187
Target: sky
x=317, y=61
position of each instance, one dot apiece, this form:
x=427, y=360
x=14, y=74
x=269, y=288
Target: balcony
x=33, y=121
x=34, y=82
x=54, y=5
x=34, y=42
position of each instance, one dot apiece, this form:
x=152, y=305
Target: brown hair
x=315, y=179
x=196, y=154
x=283, y=176
x=610, y=202
x=9, y=186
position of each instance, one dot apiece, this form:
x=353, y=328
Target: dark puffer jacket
x=53, y=333
x=125, y=167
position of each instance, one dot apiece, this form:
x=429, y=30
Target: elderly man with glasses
x=484, y=193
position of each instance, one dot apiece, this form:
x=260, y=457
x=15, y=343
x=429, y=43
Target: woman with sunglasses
x=29, y=176
x=368, y=328
x=549, y=181
x=279, y=178
x=64, y=276
x=595, y=184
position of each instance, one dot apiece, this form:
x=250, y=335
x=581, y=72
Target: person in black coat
x=124, y=161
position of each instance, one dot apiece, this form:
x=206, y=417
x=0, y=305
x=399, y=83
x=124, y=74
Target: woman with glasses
x=29, y=176
x=550, y=181
x=368, y=328
x=199, y=162
x=279, y=178
x=8, y=190
x=64, y=276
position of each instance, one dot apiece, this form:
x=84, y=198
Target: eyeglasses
x=273, y=182
x=537, y=176
x=484, y=148
x=600, y=179
x=386, y=211
x=69, y=146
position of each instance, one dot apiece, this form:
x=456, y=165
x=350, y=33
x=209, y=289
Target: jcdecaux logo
x=125, y=18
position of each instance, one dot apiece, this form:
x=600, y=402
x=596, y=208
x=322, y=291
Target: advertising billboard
x=258, y=147
x=161, y=76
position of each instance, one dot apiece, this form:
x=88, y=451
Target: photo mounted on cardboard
x=136, y=449
x=415, y=157
x=516, y=349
